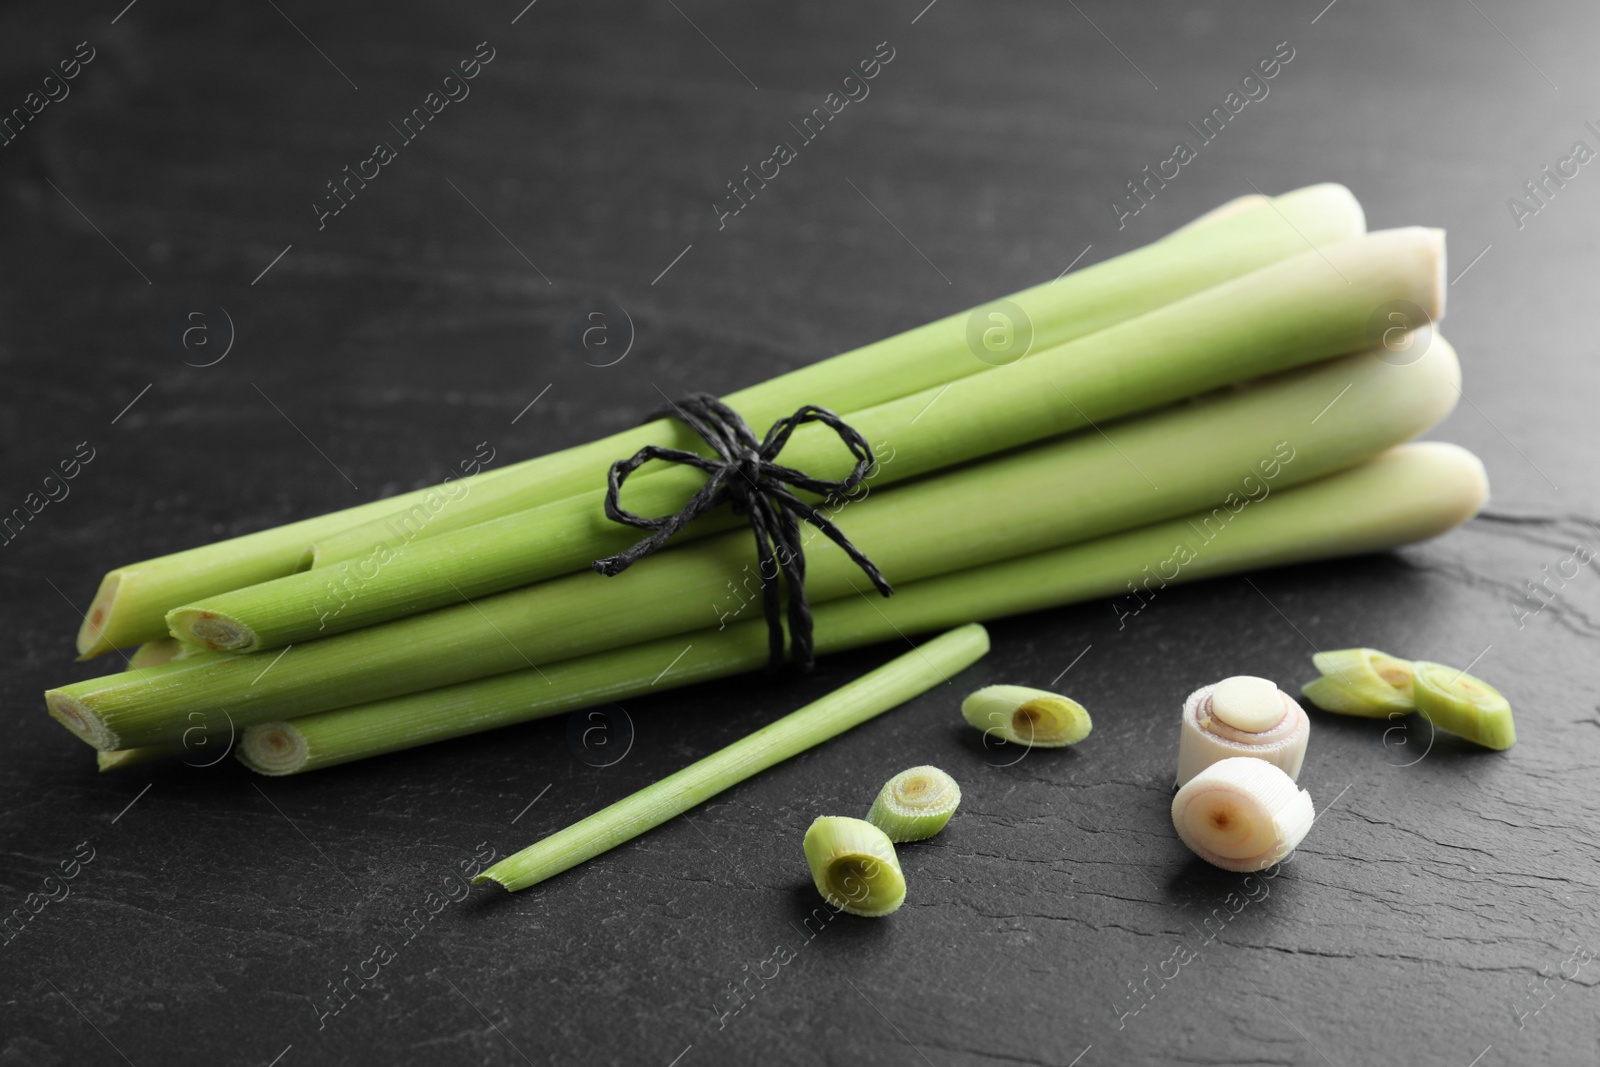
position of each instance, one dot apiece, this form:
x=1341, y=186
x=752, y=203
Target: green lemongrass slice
x=1024, y=716
x=1241, y=716
x=854, y=866
x=1205, y=454
x=914, y=804
x=1460, y=704
x=1361, y=681
x=1410, y=494
x=871, y=695
x=1300, y=310
x=1242, y=814
x=132, y=602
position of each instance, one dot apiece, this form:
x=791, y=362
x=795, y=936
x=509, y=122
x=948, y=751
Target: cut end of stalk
x=1026, y=716
x=92, y=640
x=1460, y=704
x=487, y=877
x=129, y=757
x=915, y=804
x=209, y=630
x=273, y=748
x=84, y=724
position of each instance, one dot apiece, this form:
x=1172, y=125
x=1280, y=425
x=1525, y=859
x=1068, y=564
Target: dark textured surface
x=1444, y=894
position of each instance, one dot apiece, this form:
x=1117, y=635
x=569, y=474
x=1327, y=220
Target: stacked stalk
x=1082, y=486
x=132, y=602
x=1301, y=310
x=1408, y=494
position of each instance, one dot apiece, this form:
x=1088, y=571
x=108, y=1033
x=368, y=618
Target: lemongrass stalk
x=1232, y=244
x=132, y=601
x=915, y=804
x=854, y=866
x=869, y=696
x=1409, y=494
x=1305, y=308
x=1165, y=464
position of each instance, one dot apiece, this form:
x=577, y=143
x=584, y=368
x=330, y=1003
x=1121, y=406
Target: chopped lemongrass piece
x=1027, y=716
x=133, y=600
x=854, y=866
x=915, y=804
x=153, y=653
x=871, y=695
x=1460, y=704
x=1242, y=814
x=1241, y=716
x=1361, y=681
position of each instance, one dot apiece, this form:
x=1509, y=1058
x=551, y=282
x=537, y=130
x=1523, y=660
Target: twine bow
x=747, y=475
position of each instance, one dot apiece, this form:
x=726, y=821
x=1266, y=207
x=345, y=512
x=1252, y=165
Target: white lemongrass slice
x=1242, y=814
x=1241, y=716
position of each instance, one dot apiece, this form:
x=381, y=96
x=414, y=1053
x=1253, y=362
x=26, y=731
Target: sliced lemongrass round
x=1242, y=814
x=1241, y=716
x=1460, y=704
x=854, y=866
x=915, y=804
x=1025, y=716
x=1361, y=681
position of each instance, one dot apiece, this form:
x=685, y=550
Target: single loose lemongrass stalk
x=1152, y=468
x=871, y=695
x=1242, y=814
x=1241, y=716
x=1361, y=681
x=1460, y=704
x=915, y=804
x=854, y=866
x=1025, y=716
x=132, y=602
x=1073, y=306
x=1410, y=494
x=1304, y=308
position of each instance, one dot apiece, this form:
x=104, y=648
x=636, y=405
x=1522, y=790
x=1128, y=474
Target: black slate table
x=1443, y=910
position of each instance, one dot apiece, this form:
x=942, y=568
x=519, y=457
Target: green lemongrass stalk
x=869, y=696
x=1170, y=463
x=1212, y=251
x=1304, y=308
x=1409, y=494
x=132, y=602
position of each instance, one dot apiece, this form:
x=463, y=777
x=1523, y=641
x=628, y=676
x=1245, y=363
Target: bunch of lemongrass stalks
x=1001, y=488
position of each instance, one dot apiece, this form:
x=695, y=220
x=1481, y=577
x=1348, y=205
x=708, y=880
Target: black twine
x=747, y=476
